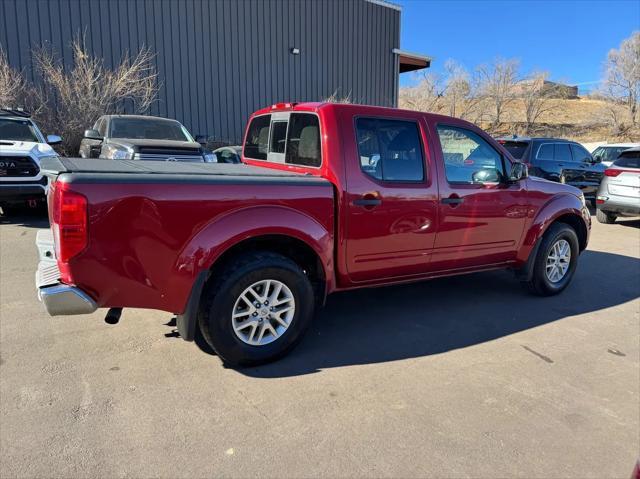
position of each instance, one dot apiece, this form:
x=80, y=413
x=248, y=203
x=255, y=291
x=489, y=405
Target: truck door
x=481, y=215
x=391, y=212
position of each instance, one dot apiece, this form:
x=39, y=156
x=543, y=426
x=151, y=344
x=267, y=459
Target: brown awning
x=411, y=61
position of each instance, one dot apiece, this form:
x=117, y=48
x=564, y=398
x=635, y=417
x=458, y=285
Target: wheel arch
x=278, y=229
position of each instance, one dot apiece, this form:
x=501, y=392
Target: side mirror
x=486, y=175
x=597, y=159
x=92, y=135
x=518, y=171
x=54, y=139
x=202, y=139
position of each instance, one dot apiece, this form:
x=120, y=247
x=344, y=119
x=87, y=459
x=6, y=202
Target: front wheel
x=555, y=261
x=257, y=310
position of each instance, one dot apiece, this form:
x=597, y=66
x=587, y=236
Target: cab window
x=468, y=158
x=257, y=143
x=303, y=140
x=390, y=150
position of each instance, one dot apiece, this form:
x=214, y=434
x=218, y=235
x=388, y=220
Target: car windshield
x=148, y=129
x=17, y=130
x=516, y=148
x=609, y=153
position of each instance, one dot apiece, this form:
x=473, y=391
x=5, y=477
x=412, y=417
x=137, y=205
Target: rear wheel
x=604, y=217
x=556, y=261
x=257, y=310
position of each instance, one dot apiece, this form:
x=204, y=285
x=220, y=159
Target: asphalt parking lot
x=458, y=377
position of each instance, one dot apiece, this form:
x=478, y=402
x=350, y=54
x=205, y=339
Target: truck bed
x=136, y=171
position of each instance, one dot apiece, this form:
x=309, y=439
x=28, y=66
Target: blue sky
x=569, y=39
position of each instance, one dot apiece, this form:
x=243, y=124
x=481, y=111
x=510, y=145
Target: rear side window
x=516, y=148
x=390, y=150
x=303, y=140
x=257, y=142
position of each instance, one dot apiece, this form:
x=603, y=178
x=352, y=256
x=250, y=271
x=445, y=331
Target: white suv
x=22, y=148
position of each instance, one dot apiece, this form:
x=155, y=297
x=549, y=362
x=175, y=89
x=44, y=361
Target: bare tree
x=14, y=88
x=622, y=75
x=76, y=97
x=426, y=96
x=538, y=98
x=497, y=83
x=460, y=92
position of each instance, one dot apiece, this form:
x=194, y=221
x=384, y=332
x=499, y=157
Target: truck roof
x=365, y=109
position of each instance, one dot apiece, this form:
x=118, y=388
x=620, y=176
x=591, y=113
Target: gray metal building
x=220, y=60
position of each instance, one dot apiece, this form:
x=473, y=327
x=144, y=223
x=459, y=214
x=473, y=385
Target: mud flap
x=187, y=321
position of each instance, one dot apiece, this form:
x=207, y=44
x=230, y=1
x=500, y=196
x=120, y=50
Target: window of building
x=390, y=150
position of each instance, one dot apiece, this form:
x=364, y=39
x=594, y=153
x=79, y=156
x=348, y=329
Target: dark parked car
x=558, y=160
x=136, y=137
x=229, y=154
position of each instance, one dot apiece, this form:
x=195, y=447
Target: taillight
x=612, y=172
x=69, y=218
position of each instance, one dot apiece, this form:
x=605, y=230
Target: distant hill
x=583, y=119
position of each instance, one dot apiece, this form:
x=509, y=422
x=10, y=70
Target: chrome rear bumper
x=58, y=299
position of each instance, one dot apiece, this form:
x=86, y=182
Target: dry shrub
x=75, y=97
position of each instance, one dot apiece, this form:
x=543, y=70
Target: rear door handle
x=367, y=202
x=452, y=200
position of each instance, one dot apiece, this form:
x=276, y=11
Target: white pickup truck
x=22, y=148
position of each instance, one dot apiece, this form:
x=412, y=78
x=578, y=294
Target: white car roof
x=618, y=145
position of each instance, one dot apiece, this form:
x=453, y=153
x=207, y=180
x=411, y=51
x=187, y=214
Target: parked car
x=22, y=148
x=607, y=154
x=229, y=154
x=336, y=197
x=619, y=192
x=137, y=137
x=558, y=160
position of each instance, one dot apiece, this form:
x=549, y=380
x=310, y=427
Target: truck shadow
x=434, y=317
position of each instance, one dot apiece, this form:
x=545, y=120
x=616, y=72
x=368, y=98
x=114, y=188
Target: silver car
x=619, y=191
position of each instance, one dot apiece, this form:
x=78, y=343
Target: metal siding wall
x=219, y=60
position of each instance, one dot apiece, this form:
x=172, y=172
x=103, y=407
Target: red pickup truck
x=330, y=197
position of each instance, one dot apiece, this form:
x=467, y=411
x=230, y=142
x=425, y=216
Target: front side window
x=303, y=140
x=390, y=150
x=580, y=153
x=257, y=142
x=608, y=153
x=563, y=152
x=468, y=158
x=18, y=130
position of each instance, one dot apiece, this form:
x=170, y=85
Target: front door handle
x=367, y=202
x=452, y=200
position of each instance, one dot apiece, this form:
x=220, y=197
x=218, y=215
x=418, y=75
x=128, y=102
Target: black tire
x=221, y=294
x=604, y=217
x=539, y=283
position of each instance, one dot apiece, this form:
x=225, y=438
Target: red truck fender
x=566, y=208
x=206, y=247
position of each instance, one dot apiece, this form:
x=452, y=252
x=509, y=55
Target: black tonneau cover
x=135, y=171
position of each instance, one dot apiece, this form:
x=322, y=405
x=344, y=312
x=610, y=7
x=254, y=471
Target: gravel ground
x=458, y=377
